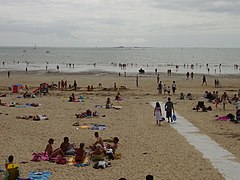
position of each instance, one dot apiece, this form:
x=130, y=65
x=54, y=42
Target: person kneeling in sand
x=80, y=154
x=67, y=148
x=52, y=153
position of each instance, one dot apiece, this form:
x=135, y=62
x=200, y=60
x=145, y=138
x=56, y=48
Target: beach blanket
x=36, y=157
x=100, y=127
x=72, y=161
x=39, y=175
x=117, y=107
x=223, y=118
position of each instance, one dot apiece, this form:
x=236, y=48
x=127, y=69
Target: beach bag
x=174, y=117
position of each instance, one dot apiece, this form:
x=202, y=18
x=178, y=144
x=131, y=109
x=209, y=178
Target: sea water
x=179, y=60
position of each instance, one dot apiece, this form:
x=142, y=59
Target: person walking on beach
x=158, y=78
x=187, y=74
x=192, y=75
x=8, y=74
x=204, y=81
x=224, y=99
x=160, y=87
x=75, y=85
x=169, y=109
x=158, y=114
x=174, y=87
x=137, y=80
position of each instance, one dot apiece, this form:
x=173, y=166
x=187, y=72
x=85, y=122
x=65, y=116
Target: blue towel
x=39, y=175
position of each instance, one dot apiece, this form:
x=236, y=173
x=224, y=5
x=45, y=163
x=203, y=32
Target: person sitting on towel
x=80, y=154
x=114, y=146
x=68, y=149
x=98, y=140
x=52, y=153
x=118, y=97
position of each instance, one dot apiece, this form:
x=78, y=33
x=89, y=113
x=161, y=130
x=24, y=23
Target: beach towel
x=20, y=106
x=85, y=163
x=100, y=127
x=36, y=157
x=117, y=107
x=223, y=118
x=39, y=175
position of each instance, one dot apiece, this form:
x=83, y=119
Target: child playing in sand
x=50, y=152
x=80, y=154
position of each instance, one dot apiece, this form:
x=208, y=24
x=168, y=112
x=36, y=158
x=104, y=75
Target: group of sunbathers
x=97, y=151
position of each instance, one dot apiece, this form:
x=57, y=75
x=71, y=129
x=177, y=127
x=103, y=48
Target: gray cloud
x=125, y=22
x=218, y=6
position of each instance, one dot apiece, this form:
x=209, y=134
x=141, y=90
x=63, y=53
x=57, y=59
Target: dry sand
x=145, y=147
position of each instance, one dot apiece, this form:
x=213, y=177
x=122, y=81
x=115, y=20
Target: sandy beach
x=145, y=147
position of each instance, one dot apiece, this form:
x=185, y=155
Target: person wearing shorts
x=169, y=109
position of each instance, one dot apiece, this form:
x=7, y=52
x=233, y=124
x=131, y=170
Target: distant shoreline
x=103, y=73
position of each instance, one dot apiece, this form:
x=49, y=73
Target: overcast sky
x=91, y=23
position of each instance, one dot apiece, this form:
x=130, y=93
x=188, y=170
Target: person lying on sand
x=52, y=153
x=40, y=117
x=2, y=104
x=68, y=149
x=25, y=117
x=80, y=154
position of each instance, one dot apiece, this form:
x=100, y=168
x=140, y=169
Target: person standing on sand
x=158, y=78
x=169, y=109
x=8, y=74
x=204, y=81
x=137, y=80
x=224, y=99
x=187, y=74
x=158, y=114
x=192, y=75
x=75, y=85
x=160, y=87
x=174, y=87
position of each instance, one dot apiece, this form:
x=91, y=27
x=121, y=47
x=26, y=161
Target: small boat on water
x=24, y=50
x=47, y=51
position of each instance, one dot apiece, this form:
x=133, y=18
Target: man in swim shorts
x=169, y=109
